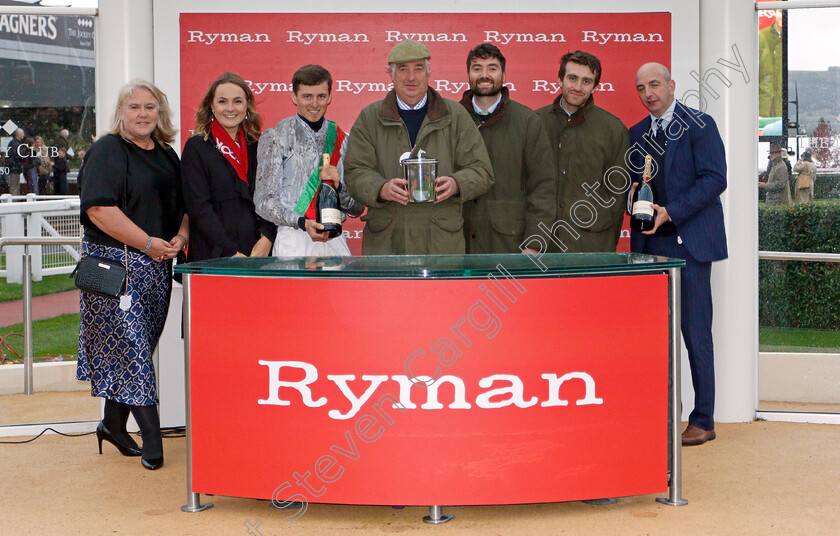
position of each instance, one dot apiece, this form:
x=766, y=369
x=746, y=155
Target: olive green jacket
x=377, y=140
x=587, y=145
x=769, y=72
x=525, y=191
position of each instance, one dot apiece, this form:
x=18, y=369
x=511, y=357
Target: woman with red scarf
x=218, y=171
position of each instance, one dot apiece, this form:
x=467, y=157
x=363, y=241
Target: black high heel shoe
x=125, y=450
x=152, y=464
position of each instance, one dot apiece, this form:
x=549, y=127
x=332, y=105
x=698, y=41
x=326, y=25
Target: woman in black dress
x=132, y=211
x=218, y=171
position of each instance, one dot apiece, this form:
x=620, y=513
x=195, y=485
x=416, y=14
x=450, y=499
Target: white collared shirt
x=564, y=108
x=664, y=120
x=404, y=106
x=488, y=111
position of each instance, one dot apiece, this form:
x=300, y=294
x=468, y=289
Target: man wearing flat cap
x=777, y=186
x=413, y=115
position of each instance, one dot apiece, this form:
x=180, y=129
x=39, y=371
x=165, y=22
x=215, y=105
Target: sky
x=813, y=39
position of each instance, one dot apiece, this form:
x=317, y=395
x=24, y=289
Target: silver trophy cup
x=420, y=172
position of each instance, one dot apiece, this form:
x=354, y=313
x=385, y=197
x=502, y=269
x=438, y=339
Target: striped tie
x=659, y=132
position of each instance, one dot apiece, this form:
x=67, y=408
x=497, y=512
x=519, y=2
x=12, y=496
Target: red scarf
x=237, y=155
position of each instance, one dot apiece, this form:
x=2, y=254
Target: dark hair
x=485, y=51
x=311, y=75
x=581, y=58
x=252, y=124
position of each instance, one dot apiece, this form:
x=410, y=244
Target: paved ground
x=47, y=306
x=756, y=479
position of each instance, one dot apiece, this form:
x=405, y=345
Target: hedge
x=799, y=294
x=827, y=186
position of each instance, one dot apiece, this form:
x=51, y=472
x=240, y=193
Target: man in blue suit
x=689, y=176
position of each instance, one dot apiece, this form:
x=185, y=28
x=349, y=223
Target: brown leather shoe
x=696, y=436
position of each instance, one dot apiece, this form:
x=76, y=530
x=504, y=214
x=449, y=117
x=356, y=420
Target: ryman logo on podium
x=499, y=390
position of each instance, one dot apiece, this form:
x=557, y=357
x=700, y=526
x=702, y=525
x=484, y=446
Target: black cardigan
x=220, y=205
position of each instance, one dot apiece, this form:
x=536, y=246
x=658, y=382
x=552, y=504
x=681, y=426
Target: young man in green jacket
x=525, y=189
x=589, y=145
x=413, y=114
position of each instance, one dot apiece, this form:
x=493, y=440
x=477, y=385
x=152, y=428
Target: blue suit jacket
x=695, y=171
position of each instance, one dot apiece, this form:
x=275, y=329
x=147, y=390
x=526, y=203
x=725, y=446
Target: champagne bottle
x=642, y=217
x=327, y=207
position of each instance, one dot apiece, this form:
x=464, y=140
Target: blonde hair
x=164, y=132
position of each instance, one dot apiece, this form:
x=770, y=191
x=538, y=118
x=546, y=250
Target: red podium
x=440, y=380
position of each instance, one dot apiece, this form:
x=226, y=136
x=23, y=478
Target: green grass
x=53, y=336
x=798, y=340
x=49, y=285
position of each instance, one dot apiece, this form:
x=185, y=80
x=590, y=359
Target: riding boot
x=149, y=422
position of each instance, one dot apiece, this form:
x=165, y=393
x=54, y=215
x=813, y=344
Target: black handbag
x=100, y=276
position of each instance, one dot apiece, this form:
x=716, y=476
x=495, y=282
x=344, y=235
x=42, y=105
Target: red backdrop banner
x=267, y=48
x=536, y=382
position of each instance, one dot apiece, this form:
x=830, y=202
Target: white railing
x=28, y=244
x=39, y=216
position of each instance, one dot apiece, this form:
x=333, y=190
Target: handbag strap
x=123, y=208
x=125, y=251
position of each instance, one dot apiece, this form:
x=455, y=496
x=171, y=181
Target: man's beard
x=489, y=92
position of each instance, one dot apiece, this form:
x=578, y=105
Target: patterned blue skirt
x=116, y=346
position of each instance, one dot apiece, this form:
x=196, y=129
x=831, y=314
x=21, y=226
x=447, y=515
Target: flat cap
x=409, y=50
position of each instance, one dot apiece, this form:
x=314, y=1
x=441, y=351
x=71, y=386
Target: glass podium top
x=432, y=266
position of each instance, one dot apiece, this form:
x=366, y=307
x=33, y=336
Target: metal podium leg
x=436, y=516
x=675, y=485
x=28, y=347
x=194, y=503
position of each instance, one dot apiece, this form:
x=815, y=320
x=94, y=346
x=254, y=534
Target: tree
x=824, y=148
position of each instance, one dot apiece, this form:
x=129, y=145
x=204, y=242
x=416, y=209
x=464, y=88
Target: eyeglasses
x=775, y=152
